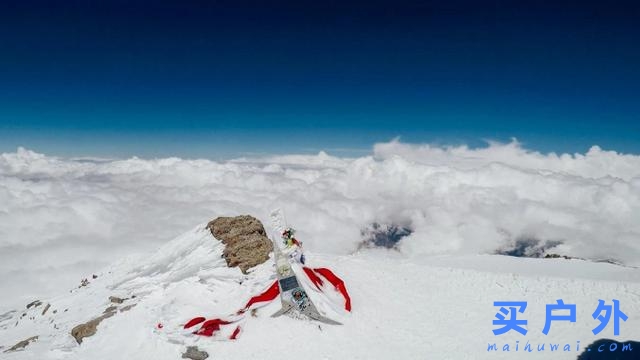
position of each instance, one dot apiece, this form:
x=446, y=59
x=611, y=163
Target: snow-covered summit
x=438, y=308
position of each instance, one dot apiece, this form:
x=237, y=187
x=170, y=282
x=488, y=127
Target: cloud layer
x=62, y=219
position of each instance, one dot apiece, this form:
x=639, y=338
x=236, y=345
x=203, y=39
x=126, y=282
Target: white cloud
x=62, y=219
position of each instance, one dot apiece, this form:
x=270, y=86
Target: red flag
x=271, y=293
x=338, y=283
x=313, y=277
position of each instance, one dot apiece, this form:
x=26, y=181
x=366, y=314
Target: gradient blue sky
x=222, y=78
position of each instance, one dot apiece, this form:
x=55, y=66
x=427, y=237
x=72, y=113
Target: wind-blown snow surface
x=402, y=308
x=62, y=219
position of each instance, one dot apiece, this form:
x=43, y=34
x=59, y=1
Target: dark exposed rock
x=527, y=246
x=22, y=344
x=46, y=308
x=556, y=256
x=34, y=304
x=116, y=300
x=89, y=328
x=383, y=235
x=194, y=354
x=111, y=308
x=246, y=242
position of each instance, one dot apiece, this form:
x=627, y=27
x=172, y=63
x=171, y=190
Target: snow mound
x=148, y=299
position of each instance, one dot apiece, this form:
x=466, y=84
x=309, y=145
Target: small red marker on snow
x=160, y=326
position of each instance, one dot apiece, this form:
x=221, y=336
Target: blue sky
x=218, y=79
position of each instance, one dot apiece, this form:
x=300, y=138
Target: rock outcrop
x=22, y=344
x=35, y=303
x=246, y=242
x=194, y=354
x=89, y=328
x=116, y=300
